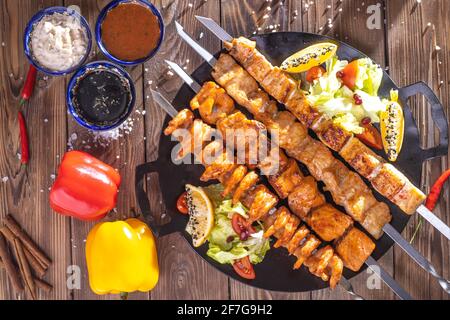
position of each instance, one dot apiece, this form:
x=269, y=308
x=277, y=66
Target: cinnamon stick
x=40, y=284
x=34, y=263
x=11, y=269
x=24, y=268
x=44, y=286
x=15, y=228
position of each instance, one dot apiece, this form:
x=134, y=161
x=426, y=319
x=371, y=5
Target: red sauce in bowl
x=130, y=31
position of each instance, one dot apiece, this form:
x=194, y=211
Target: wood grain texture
x=405, y=44
x=25, y=193
x=123, y=153
x=346, y=21
x=184, y=275
x=420, y=31
x=256, y=17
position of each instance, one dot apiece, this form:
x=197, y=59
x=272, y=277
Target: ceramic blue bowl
x=29, y=29
x=98, y=31
x=81, y=73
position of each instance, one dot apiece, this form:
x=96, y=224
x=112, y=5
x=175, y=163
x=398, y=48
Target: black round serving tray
x=275, y=272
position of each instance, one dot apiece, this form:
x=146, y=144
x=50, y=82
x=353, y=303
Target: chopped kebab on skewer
x=302, y=192
x=261, y=203
x=390, y=183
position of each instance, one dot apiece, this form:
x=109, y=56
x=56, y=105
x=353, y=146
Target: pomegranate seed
x=366, y=120
x=230, y=239
x=244, y=235
x=357, y=99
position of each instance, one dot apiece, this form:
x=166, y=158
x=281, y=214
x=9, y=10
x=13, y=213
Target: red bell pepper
x=86, y=188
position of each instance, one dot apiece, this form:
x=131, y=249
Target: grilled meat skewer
x=345, y=186
x=305, y=199
x=259, y=200
x=384, y=178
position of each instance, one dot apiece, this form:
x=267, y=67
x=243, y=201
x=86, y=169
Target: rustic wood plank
x=415, y=31
x=25, y=193
x=184, y=275
x=123, y=153
x=346, y=21
x=247, y=18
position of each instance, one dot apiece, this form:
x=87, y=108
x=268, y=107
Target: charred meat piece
x=233, y=180
x=297, y=238
x=305, y=250
x=360, y=157
x=279, y=84
x=305, y=197
x=354, y=249
x=212, y=102
x=348, y=190
x=285, y=182
x=288, y=231
x=274, y=162
x=375, y=219
x=330, y=134
x=217, y=161
x=246, y=136
x=409, y=198
x=334, y=270
x=247, y=183
x=328, y=222
x=387, y=180
x=232, y=77
x=183, y=120
x=242, y=49
x=193, y=141
x=318, y=262
x=263, y=202
x=282, y=216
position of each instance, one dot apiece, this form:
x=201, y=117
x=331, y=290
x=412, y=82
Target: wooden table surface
x=412, y=43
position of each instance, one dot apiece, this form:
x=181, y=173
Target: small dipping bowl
x=101, y=18
x=85, y=71
x=29, y=32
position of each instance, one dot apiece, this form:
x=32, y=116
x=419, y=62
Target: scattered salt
x=5, y=179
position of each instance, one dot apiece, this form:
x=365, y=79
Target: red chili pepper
x=28, y=86
x=23, y=139
x=436, y=190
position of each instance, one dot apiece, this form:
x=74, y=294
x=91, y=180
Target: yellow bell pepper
x=121, y=257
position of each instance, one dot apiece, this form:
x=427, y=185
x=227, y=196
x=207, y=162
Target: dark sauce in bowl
x=101, y=98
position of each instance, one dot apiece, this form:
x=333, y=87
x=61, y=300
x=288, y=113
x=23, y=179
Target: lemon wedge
x=201, y=215
x=309, y=57
x=392, y=125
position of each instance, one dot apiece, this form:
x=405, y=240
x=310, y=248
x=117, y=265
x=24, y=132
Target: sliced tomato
x=349, y=74
x=314, y=73
x=371, y=136
x=240, y=225
x=182, y=204
x=244, y=268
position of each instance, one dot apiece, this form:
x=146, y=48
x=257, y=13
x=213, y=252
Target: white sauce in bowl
x=58, y=42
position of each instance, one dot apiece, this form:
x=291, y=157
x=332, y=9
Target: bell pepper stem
x=124, y=295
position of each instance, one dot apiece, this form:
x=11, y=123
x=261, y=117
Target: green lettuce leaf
x=369, y=76
x=220, y=248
